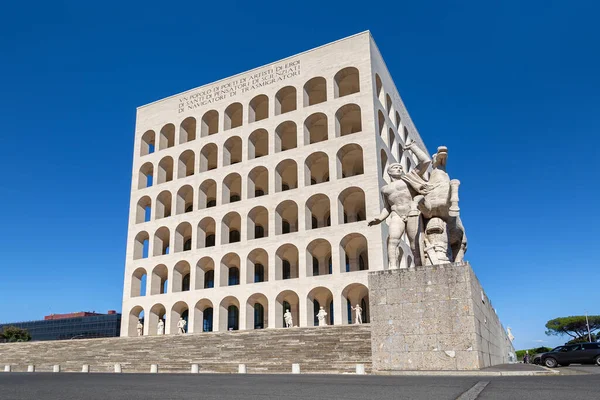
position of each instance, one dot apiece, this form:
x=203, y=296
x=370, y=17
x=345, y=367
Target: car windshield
x=556, y=348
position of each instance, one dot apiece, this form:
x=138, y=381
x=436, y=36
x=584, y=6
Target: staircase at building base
x=331, y=349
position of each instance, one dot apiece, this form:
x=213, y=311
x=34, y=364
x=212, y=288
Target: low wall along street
x=331, y=349
x=434, y=318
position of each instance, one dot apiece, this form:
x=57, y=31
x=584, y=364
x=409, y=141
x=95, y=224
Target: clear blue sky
x=513, y=90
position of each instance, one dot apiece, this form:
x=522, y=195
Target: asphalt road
x=71, y=386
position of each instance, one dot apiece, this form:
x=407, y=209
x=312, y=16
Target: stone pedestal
x=434, y=318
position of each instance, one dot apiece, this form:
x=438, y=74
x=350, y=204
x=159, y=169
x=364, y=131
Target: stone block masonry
x=434, y=318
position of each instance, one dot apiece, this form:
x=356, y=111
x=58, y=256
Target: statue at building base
x=423, y=203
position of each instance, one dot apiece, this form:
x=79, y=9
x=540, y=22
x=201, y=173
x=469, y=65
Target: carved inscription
x=243, y=84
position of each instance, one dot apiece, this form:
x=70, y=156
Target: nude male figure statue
x=403, y=216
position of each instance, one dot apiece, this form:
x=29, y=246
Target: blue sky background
x=512, y=88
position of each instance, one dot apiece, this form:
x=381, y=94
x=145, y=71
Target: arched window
x=229, y=314
x=148, y=143
x=320, y=297
x=258, y=144
x=351, y=203
x=350, y=161
x=388, y=105
x=315, y=128
x=210, y=123
x=232, y=151
x=185, y=200
x=232, y=188
x=286, y=136
x=259, y=108
x=165, y=170
x=346, y=82
x=187, y=130
x=185, y=166
x=161, y=241
x=181, y=277
x=205, y=273
x=257, y=265
x=138, y=283
x=379, y=88
x=206, y=233
x=285, y=100
x=286, y=175
x=317, y=207
x=167, y=137
x=258, y=222
x=316, y=168
x=315, y=91
x=354, y=247
x=163, y=205
x=146, y=176
x=348, y=120
x=143, y=210
x=183, y=235
x=208, y=157
x=286, y=262
x=207, y=195
x=286, y=217
x=230, y=270
x=233, y=116
x=318, y=253
x=258, y=182
x=159, y=280
x=230, y=227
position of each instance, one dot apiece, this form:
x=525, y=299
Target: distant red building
x=75, y=315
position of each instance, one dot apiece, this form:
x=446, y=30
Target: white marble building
x=250, y=195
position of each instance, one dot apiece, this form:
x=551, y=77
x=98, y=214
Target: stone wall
x=330, y=349
x=434, y=318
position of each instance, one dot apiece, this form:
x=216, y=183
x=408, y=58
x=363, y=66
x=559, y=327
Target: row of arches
x=256, y=312
x=256, y=267
x=351, y=207
x=349, y=162
x=346, y=82
x=391, y=130
x=348, y=121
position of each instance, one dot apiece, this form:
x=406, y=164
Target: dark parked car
x=582, y=353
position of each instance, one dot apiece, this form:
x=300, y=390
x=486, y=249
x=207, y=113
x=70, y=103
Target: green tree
x=14, y=334
x=583, y=339
x=574, y=326
x=521, y=353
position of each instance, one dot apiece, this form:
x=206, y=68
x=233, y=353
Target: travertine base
x=434, y=318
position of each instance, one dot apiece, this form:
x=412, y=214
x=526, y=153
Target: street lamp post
x=588, y=326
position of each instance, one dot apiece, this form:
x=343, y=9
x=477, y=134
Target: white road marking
x=474, y=392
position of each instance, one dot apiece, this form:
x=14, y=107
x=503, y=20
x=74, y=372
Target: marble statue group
x=423, y=204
